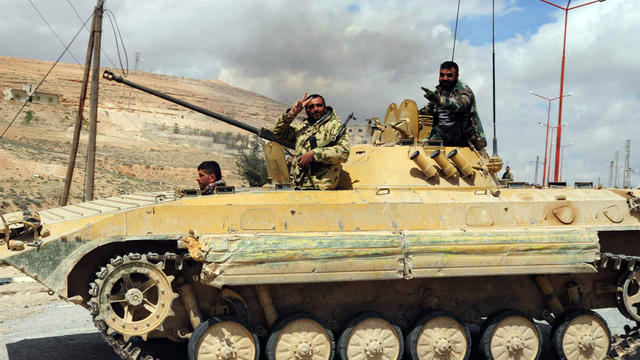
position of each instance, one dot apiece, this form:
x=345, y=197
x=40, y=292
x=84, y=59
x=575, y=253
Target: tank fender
x=276, y=258
x=53, y=263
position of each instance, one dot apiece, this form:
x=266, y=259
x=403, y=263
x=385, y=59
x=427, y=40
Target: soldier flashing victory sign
x=318, y=161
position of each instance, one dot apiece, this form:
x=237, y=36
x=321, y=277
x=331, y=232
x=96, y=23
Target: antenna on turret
x=455, y=33
x=493, y=62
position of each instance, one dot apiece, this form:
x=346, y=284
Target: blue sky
x=525, y=20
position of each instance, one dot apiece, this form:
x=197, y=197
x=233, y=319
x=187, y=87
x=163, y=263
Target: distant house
x=358, y=134
x=39, y=97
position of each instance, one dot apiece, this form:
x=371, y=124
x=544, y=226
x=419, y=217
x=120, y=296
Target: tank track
x=623, y=347
x=126, y=350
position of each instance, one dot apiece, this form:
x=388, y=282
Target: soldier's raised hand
x=432, y=96
x=298, y=105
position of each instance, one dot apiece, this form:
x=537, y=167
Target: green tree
x=28, y=117
x=176, y=128
x=251, y=164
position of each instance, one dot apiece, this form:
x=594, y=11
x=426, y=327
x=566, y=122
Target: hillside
x=144, y=143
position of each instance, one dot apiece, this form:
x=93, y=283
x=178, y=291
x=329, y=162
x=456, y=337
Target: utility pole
x=93, y=102
x=626, y=181
x=611, y=173
x=616, y=168
x=535, y=177
x=138, y=60
x=78, y=126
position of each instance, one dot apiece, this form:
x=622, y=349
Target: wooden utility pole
x=93, y=103
x=78, y=126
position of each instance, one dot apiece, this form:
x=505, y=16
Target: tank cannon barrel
x=261, y=132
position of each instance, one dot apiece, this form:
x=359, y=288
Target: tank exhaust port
x=22, y=228
x=463, y=166
x=423, y=163
x=447, y=168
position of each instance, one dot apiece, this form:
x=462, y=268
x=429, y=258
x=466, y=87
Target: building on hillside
x=27, y=91
x=358, y=134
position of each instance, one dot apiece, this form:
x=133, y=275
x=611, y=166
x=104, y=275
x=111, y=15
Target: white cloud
x=382, y=52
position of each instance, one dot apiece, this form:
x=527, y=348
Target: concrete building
x=39, y=97
x=358, y=134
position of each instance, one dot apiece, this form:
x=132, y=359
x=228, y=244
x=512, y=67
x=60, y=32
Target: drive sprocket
x=131, y=296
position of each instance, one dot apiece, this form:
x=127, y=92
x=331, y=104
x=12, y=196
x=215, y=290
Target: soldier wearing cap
x=453, y=107
x=317, y=158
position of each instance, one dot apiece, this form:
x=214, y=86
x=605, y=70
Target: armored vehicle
x=419, y=242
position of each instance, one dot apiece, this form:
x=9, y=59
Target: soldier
x=209, y=176
x=453, y=106
x=317, y=157
x=507, y=175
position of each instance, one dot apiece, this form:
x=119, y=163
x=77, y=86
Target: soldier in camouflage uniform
x=453, y=107
x=507, y=175
x=209, y=176
x=317, y=161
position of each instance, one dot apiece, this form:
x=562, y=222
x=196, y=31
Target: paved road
x=62, y=331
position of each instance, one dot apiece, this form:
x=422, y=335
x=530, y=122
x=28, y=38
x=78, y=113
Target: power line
x=112, y=19
x=139, y=129
x=53, y=31
x=115, y=27
x=45, y=76
x=113, y=64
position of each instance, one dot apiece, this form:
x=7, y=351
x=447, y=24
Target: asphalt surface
x=63, y=331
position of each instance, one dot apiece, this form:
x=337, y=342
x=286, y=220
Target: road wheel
x=371, y=336
x=510, y=335
x=223, y=338
x=300, y=336
x=581, y=335
x=439, y=335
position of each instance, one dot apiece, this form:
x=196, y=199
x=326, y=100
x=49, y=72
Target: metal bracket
x=634, y=202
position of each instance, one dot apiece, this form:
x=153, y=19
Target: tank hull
x=398, y=252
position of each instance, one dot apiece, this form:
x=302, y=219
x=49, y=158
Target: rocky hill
x=144, y=143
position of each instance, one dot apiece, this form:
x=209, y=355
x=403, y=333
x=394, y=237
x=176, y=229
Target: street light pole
x=546, y=141
x=553, y=129
x=562, y=158
x=564, y=44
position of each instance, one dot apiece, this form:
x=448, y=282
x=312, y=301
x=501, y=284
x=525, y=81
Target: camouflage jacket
x=326, y=167
x=210, y=189
x=462, y=104
x=507, y=176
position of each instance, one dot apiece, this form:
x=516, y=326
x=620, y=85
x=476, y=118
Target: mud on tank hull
x=377, y=271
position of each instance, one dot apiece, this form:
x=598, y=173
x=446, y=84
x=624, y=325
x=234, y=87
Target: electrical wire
x=455, y=32
x=113, y=64
x=53, y=31
x=112, y=19
x=115, y=27
x=45, y=77
x=139, y=129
